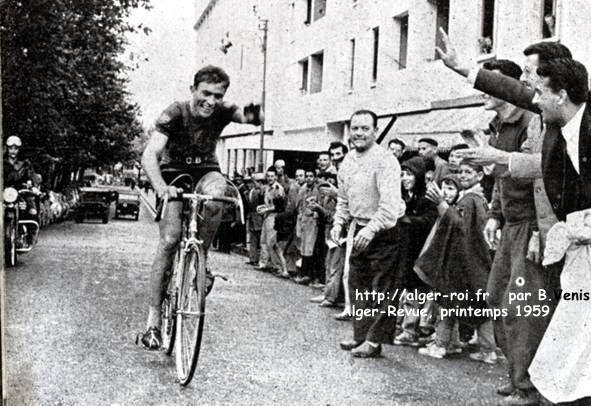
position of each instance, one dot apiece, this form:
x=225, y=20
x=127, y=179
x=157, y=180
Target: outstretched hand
x=449, y=55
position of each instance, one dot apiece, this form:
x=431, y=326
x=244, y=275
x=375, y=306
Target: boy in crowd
x=456, y=259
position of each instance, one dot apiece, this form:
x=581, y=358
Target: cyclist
x=184, y=142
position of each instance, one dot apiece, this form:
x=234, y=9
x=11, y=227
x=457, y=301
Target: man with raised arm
x=184, y=142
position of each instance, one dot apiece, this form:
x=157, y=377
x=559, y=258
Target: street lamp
x=263, y=25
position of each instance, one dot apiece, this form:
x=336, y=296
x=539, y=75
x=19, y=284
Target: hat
x=416, y=165
x=429, y=141
x=13, y=140
x=453, y=179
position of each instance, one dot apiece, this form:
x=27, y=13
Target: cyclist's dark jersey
x=190, y=137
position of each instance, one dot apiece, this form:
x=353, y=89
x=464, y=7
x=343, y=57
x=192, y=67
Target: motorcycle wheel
x=10, y=254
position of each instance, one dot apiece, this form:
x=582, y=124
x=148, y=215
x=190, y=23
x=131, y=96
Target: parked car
x=94, y=203
x=128, y=204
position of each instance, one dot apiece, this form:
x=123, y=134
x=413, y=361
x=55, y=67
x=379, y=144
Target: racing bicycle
x=183, y=307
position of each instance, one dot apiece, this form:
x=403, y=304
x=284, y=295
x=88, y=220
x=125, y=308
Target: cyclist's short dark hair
x=547, y=51
x=272, y=169
x=211, y=74
x=505, y=66
x=337, y=145
x=567, y=74
x=374, y=116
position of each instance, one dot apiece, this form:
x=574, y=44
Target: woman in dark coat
x=418, y=220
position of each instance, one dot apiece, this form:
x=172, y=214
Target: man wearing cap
x=16, y=172
x=428, y=150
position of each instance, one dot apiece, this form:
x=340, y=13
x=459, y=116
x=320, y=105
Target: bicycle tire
x=10, y=252
x=190, y=314
x=169, y=306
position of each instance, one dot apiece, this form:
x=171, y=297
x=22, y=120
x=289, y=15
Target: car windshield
x=95, y=196
x=126, y=196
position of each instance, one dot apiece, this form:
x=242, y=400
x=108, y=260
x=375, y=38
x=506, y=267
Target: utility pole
x=263, y=25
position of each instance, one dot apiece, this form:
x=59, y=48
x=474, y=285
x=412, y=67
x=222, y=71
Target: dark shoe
x=304, y=280
x=343, y=316
x=348, y=345
x=521, y=398
x=327, y=303
x=152, y=339
x=251, y=263
x=367, y=350
x=506, y=390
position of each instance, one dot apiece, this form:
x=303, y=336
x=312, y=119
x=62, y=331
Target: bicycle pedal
x=217, y=275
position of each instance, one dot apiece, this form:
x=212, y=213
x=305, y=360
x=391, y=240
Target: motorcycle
x=21, y=223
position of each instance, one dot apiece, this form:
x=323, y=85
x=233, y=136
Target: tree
x=63, y=82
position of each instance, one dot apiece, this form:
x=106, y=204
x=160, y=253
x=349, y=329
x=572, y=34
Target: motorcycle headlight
x=10, y=195
x=33, y=212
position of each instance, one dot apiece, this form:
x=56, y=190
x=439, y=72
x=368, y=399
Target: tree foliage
x=63, y=81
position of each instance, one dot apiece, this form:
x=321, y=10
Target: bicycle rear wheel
x=190, y=314
x=169, y=307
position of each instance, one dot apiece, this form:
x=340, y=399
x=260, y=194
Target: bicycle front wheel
x=190, y=314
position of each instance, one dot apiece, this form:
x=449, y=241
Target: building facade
x=328, y=58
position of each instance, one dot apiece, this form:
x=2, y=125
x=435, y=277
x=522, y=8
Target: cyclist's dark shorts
x=170, y=173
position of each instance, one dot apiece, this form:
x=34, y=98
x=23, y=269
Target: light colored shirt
x=369, y=190
x=570, y=133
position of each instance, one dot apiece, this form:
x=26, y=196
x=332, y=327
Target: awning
x=444, y=126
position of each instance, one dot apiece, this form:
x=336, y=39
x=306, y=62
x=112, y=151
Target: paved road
x=75, y=304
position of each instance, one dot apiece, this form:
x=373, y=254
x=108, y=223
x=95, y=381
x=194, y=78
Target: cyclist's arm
x=150, y=161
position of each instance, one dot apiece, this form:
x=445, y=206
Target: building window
x=316, y=64
x=304, y=73
x=315, y=10
x=319, y=9
x=486, y=39
x=402, y=24
x=442, y=21
x=376, y=48
x=549, y=19
x=352, y=64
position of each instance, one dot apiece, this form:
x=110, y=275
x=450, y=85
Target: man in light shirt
x=369, y=197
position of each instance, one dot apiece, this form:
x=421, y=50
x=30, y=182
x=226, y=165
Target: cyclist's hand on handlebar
x=168, y=192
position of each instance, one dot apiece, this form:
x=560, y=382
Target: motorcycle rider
x=17, y=173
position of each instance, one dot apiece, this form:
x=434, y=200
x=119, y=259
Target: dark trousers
x=373, y=270
x=518, y=334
